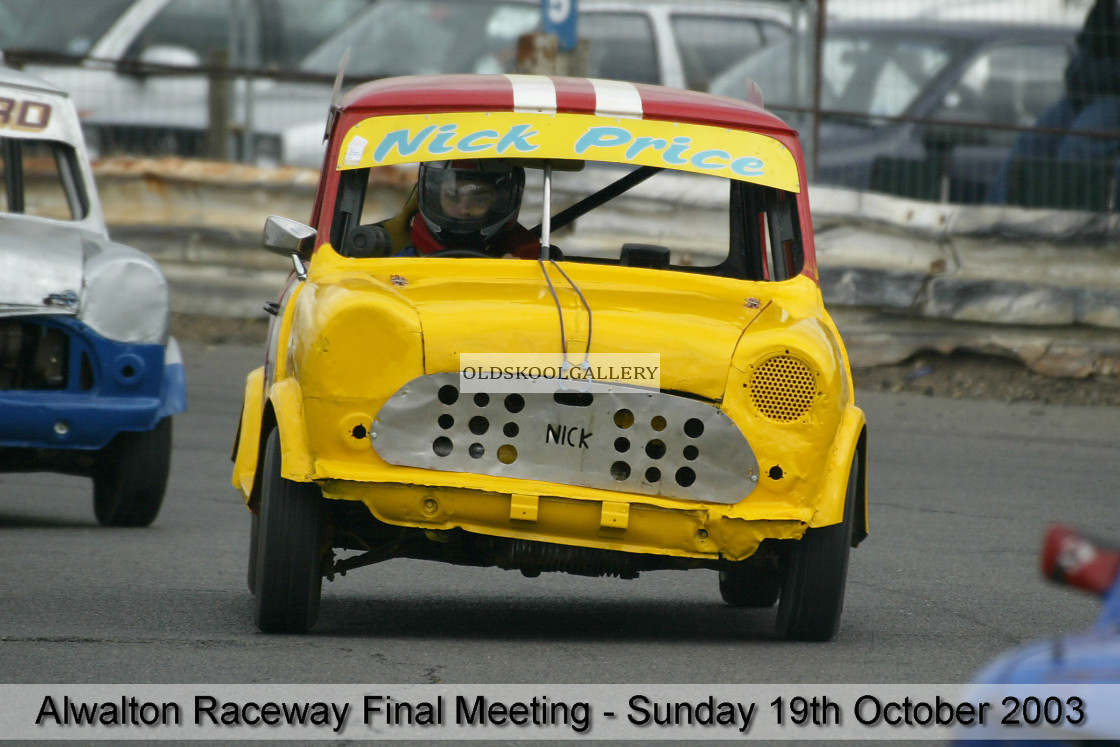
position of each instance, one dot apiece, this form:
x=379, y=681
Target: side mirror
x=170, y=55
x=286, y=237
x=158, y=57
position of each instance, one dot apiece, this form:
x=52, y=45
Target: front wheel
x=288, y=575
x=817, y=572
x=130, y=477
x=254, y=541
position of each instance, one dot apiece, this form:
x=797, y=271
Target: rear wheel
x=817, y=572
x=755, y=582
x=130, y=477
x=749, y=590
x=288, y=575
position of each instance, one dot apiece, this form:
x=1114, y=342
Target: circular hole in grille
x=653, y=474
x=507, y=454
x=515, y=403
x=448, y=394
x=478, y=425
x=694, y=428
x=783, y=388
x=482, y=399
x=620, y=471
x=511, y=430
x=685, y=477
x=622, y=445
x=624, y=419
x=446, y=421
x=655, y=449
x=658, y=423
x=442, y=446
x=776, y=473
x=476, y=450
x=691, y=452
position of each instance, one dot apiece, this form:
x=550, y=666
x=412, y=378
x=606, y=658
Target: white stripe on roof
x=615, y=98
x=533, y=93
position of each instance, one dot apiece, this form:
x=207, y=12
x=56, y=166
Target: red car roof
x=443, y=93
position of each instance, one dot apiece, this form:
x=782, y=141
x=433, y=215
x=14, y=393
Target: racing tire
x=812, y=598
x=749, y=590
x=130, y=477
x=288, y=575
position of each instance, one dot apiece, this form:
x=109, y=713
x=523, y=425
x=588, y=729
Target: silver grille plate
x=618, y=438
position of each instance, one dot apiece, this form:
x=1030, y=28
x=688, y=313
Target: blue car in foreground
x=1062, y=689
x=89, y=374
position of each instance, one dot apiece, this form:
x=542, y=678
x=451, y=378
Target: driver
x=472, y=205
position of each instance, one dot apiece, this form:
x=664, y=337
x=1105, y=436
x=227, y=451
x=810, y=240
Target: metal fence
x=962, y=101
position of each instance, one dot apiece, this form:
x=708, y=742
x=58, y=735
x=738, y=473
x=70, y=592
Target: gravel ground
x=935, y=375
x=963, y=376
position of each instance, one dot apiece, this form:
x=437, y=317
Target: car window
x=70, y=27
x=41, y=178
x=773, y=32
x=621, y=46
x=197, y=25
x=876, y=76
x=710, y=44
x=773, y=69
x=410, y=37
x=1010, y=85
x=304, y=24
x=880, y=77
x=289, y=29
x=709, y=224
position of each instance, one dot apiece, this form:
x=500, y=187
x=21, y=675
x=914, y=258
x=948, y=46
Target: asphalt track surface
x=961, y=493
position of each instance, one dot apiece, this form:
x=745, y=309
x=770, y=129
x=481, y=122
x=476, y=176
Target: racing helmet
x=464, y=203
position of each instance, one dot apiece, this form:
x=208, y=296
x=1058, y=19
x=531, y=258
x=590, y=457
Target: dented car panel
x=98, y=389
x=89, y=375
x=747, y=453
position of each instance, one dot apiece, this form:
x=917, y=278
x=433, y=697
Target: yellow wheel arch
x=282, y=408
x=848, y=446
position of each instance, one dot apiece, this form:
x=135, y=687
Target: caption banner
x=617, y=712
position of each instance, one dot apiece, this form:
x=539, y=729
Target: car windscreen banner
x=701, y=149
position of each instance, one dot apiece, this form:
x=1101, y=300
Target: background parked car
x=676, y=44
x=908, y=107
x=682, y=45
x=119, y=41
x=89, y=376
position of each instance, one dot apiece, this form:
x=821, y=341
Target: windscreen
x=607, y=214
x=411, y=37
x=61, y=26
x=869, y=73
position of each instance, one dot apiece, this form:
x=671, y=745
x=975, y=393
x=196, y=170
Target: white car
x=105, y=47
x=89, y=374
x=677, y=44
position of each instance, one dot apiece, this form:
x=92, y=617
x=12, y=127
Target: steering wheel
x=461, y=253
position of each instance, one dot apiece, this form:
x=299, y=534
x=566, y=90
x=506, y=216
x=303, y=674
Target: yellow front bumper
x=630, y=526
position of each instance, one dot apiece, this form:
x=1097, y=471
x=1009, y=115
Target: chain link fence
x=955, y=101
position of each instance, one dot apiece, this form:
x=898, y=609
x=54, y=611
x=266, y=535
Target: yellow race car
x=554, y=324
